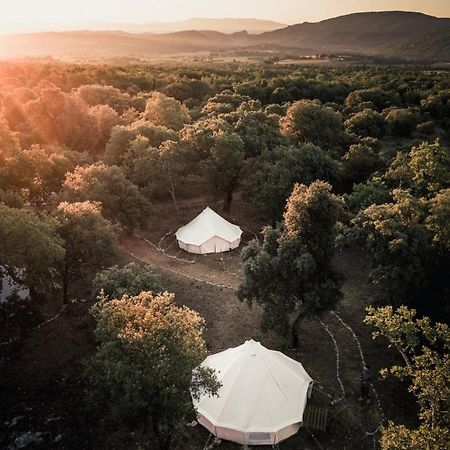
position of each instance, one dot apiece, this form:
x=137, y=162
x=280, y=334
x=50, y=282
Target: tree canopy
x=290, y=274
x=425, y=348
x=131, y=279
x=143, y=368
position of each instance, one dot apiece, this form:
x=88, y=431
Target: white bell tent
x=262, y=398
x=209, y=233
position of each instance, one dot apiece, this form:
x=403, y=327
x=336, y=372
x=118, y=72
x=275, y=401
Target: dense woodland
x=327, y=158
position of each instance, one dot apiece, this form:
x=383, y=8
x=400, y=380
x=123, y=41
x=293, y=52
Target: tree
x=424, y=347
x=429, y=164
x=372, y=192
x=120, y=199
x=157, y=171
x=105, y=118
x=166, y=111
x=258, y=130
x=438, y=221
x=290, y=274
x=310, y=121
x=89, y=240
x=58, y=118
x=409, y=260
x=377, y=97
x=97, y=94
x=366, y=123
x=199, y=137
x=268, y=180
x=401, y=122
x=224, y=102
x=142, y=370
x=38, y=172
x=359, y=163
x=223, y=166
x=130, y=280
x=122, y=137
x=9, y=143
x=31, y=251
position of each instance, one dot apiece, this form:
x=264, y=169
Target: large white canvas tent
x=262, y=398
x=209, y=233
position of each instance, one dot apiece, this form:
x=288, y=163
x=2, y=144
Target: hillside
x=106, y=44
x=386, y=33
x=392, y=34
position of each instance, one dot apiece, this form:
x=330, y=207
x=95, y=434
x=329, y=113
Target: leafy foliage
x=290, y=273
x=89, y=240
x=121, y=200
x=408, y=259
x=131, y=280
x=268, y=180
x=310, y=121
x=142, y=371
x=425, y=349
x=31, y=251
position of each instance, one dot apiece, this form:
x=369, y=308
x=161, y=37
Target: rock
x=52, y=418
x=58, y=438
x=30, y=437
x=15, y=421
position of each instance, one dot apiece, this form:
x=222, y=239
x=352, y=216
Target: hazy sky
x=20, y=15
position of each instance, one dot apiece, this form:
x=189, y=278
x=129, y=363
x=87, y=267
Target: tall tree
x=166, y=111
x=223, y=166
x=407, y=241
x=31, y=251
x=121, y=200
x=267, y=181
x=89, y=240
x=429, y=164
x=425, y=349
x=310, y=121
x=291, y=274
x=142, y=371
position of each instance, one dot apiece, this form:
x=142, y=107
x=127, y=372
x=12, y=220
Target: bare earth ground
x=40, y=380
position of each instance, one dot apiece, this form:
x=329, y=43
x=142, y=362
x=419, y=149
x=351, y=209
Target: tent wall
x=253, y=438
x=213, y=245
x=287, y=432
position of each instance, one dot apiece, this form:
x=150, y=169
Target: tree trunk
x=294, y=330
x=163, y=439
x=172, y=194
x=227, y=201
x=65, y=286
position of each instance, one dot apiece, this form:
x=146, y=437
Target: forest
x=340, y=179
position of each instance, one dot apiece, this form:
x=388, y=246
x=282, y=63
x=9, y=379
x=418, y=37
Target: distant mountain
x=394, y=33
x=226, y=26
x=403, y=35
x=110, y=44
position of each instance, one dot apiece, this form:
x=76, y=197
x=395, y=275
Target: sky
x=29, y=15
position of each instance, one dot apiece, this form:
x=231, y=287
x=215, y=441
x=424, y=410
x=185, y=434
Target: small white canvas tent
x=208, y=233
x=262, y=398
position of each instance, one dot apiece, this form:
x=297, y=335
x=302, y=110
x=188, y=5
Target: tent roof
x=262, y=390
x=207, y=225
